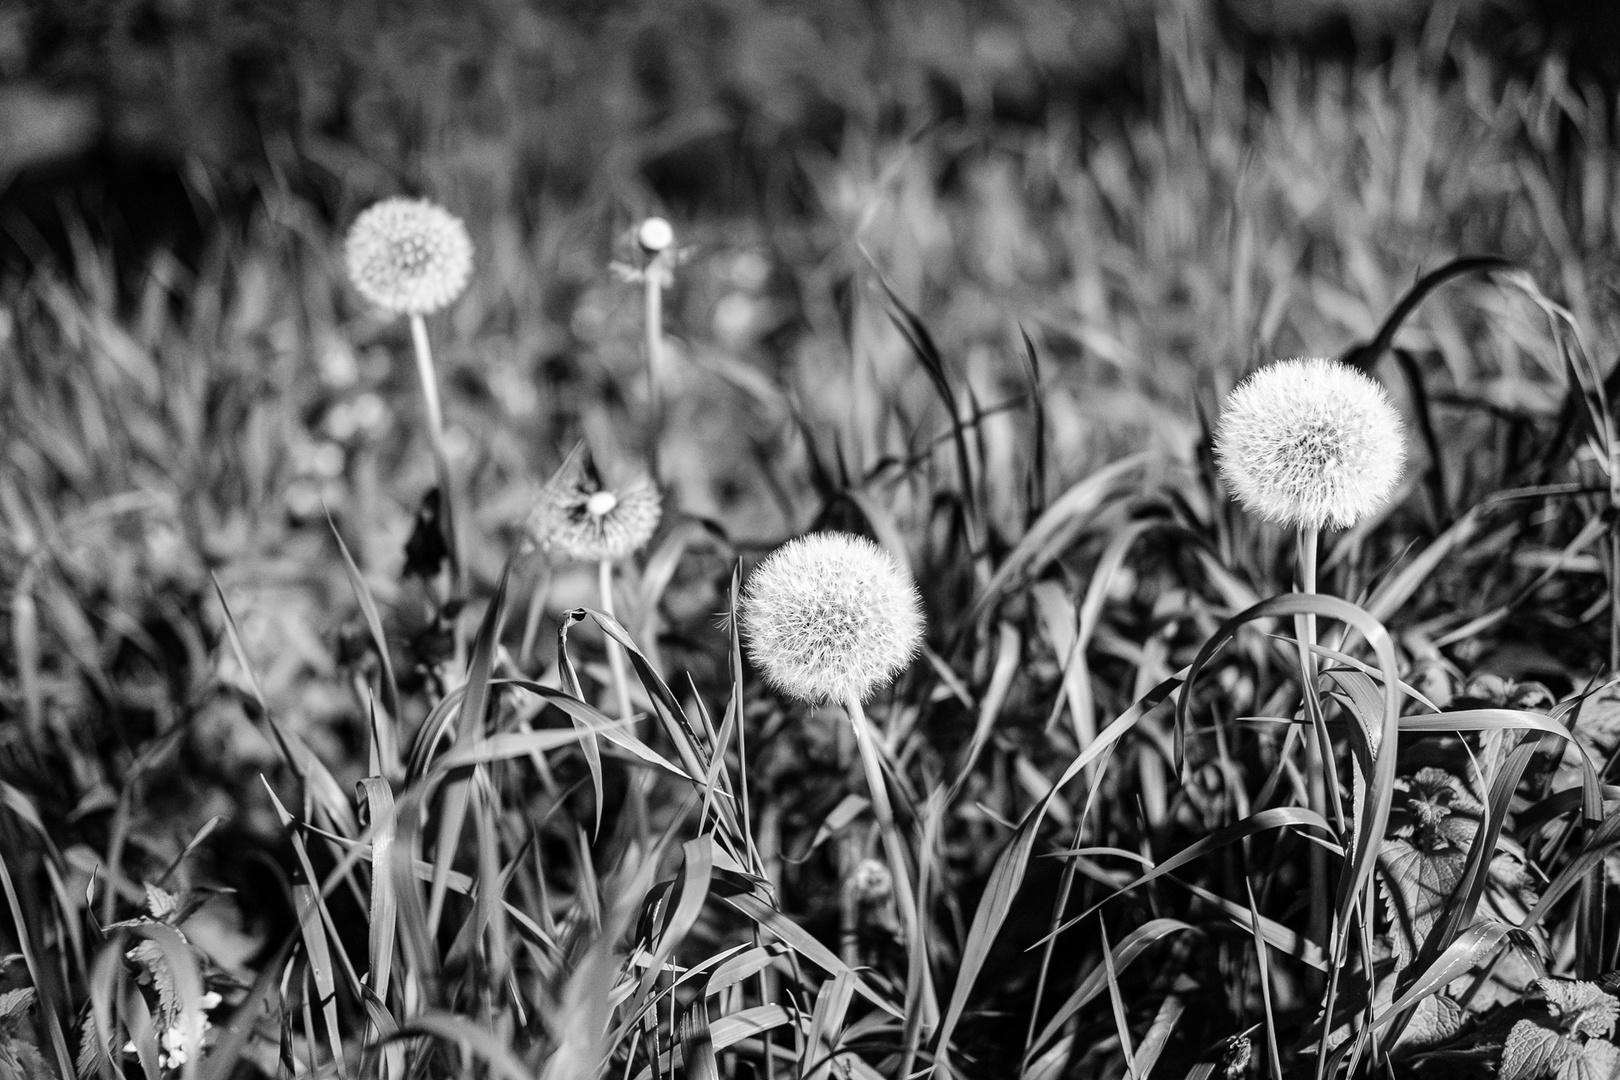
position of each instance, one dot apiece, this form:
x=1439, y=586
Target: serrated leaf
x=1434, y=1019
x=14, y=1004
x=1416, y=886
x=1533, y=1052
x=1582, y=1007
x=1599, y=1059
x=149, y=955
x=161, y=903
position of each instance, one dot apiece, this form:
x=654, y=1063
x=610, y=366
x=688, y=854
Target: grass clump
x=289, y=789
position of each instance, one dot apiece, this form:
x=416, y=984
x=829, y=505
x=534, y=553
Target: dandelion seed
x=576, y=518
x=831, y=616
x=1310, y=443
x=409, y=256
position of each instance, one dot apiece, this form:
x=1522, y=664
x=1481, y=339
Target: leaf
x=1582, y=1008
x=161, y=903
x=1533, y=1052
x=1599, y=1060
x=1416, y=885
x=14, y=1004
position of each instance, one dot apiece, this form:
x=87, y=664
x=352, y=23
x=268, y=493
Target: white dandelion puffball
x=830, y=616
x=655, y=235
x=1310, y=443
x=576, y=518
x=409, y=256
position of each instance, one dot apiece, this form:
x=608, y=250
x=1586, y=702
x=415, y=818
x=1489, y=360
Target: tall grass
x=237, y=728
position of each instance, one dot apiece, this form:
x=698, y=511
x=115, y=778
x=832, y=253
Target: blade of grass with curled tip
x=388, y=740
x=469, y=734
x=1366, y=356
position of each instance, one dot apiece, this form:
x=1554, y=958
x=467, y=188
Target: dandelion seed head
x=830, y=616
x=576, y=518
x=871, y=883
x=409, y=256
x=655, y=235
x=1310, y=442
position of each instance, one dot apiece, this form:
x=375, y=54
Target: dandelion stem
x=621, y=678
x=894, y=846
x=653, y=290
x=428, y=375
x=1317, y=751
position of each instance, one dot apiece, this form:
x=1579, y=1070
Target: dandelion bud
x=830, y=616
x=409, y=256
x=1310, y=443
x=575, y=518
x=655, y=235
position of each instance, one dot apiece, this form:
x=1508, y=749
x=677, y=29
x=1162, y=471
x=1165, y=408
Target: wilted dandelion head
x=576, y=517
x=1311, y=443
x=409, y=256
x=830, y=616
x=655, y=235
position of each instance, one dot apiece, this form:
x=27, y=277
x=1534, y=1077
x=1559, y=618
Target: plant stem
x=428, y=376
x=894, y=846
x=621, y=679
x=1317, y=751
x=653, y=290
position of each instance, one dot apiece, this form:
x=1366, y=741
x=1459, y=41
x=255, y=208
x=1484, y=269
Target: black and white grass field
x=715, y=540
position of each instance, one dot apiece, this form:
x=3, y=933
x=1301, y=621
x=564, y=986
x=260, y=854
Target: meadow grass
x=236, y=724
